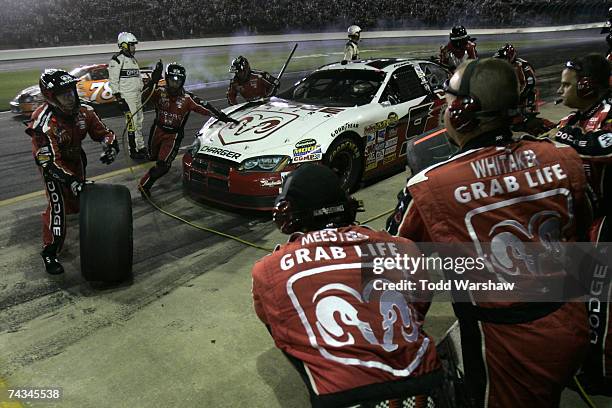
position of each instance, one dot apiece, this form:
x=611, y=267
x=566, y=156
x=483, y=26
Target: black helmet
x=507, y=52
x=458, y=32
x=54, y=82
x=312, y=198
x=175, y=74
x=240, y=64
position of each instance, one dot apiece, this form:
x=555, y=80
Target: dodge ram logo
x=254, y=125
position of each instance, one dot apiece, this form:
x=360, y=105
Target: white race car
x=356, y=117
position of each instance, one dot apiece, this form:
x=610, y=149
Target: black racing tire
x=345, y=158
x=106, y=233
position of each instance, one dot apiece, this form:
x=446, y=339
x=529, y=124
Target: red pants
x=525, y=364
x=163, y=148
x=60, y=201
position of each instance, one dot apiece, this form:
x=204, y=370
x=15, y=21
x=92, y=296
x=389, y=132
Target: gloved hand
x=76, y=187
x=110, y=152
x=224, y=118
x=123, y=106
x=157, y=72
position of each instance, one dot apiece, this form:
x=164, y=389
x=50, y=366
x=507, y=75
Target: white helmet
x=354, y=31
x=126, y=38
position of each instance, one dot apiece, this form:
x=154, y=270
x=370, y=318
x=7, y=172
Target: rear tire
x=106, y=233
x=344, y=157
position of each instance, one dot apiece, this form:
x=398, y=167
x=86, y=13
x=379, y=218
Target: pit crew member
x=351, y=50
x=338, y=331
x=506, y=346
x=584, y=87
x=57, y=128
x=251, y=84
x=172, y=107
x=126, y=84
x=460, y=48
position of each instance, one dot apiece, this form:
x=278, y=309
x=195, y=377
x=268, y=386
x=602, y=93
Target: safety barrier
x=50, y=52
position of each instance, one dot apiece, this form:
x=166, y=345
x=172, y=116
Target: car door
x=404, y=116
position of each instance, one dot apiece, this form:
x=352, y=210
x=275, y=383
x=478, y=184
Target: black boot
x=52, y=265
x=141, y=154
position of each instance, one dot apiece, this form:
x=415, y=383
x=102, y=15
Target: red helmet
x=54, y=82
x=507, y=52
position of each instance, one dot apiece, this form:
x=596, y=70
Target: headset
x=585, y=85
x=465, y=110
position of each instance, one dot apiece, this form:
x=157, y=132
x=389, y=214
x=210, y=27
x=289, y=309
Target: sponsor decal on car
x=390, y=150
x=380, y=146
x=271, y=182
x=391, y=120
x=371, y=158
x=371, y=166
x=380, y=136
x=370, y=139
x=217, y=151
x=379, y=156
x=389, y=158
x=255, y=125
x=391, y=142
x=307, y=150
x=344, y=128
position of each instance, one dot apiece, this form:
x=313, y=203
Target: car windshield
x=342, y=87
x=78, y=72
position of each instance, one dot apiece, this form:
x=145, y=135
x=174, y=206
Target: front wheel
x=344, y=157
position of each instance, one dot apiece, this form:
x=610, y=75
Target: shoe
x=52, y=265
x=141, y=154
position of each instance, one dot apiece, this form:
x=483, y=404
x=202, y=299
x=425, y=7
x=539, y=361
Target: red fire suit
x=452, y=56
x=259, y=84
x=491, y=192
x=167, y=132
x=590, y=133
x=56, y=146
x=349, y=343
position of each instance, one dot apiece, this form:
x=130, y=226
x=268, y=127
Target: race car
x=356, y=117
x=93, y=86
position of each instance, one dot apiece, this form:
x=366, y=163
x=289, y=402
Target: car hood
x=268, y=127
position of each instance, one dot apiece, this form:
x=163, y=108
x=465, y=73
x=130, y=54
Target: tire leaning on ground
x=345, y=158
x=106, y=233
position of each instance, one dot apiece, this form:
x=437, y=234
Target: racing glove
x=123, y=106
x=110, y=152
x=218, y=114
x=157, y=72
x=76, y=187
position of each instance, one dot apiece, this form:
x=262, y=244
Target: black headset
x=465, y=110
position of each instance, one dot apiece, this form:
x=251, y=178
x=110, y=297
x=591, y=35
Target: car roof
x=92, y=66
x=375, y=64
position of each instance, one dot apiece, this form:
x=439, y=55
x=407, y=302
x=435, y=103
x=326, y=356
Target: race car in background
x=93, y=86
x=356, y=118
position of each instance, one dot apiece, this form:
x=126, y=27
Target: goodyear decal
x=344, y=128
